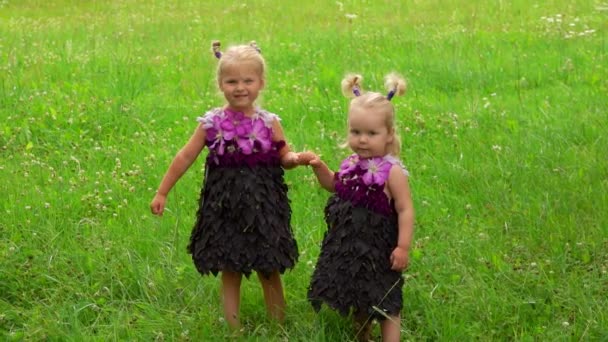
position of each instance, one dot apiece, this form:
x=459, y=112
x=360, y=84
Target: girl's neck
x=372, y=157
x=379, y=156
x=247, y=111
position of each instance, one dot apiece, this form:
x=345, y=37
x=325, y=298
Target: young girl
x=243, y=220
x=370, y=217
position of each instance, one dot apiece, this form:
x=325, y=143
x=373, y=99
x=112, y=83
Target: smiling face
x=368, y=133
x=241, y=84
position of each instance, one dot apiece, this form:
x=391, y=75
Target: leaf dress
x=243, y=220
x=353, y=273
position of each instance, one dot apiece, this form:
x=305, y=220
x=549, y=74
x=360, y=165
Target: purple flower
x=246, y=145
x=377, y=170
x=262, y=134
x=216, y=134
x=348, y=164
x=258, y=132
x=233, y=131
x=234, y=124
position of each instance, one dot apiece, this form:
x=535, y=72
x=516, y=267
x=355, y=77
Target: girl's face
x=368, y=135
x=241, y=85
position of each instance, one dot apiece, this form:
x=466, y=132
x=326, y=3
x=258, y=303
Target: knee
x=231, y=277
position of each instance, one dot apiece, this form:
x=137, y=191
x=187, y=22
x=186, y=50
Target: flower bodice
x=234, y=139
x=362, y=181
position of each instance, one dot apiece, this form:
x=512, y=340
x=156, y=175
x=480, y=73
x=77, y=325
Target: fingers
x=394, y=263
x=306, y=158
x=157, y=209
x=395, y=266
x=398, y=266
x=398, y=262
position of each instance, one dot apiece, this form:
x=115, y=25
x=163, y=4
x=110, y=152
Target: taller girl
x=243, y=220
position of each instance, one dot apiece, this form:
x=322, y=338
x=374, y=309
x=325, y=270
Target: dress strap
x=394, y=160
x=207, y=119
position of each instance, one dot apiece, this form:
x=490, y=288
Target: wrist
x=288, y=157
x=318, y=164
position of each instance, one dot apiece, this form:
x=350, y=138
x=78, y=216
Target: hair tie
x=391, y=93
x=356, y=89
x=215, y=46
x=254, y=45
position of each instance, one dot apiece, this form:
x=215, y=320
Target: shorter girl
x=370, y=217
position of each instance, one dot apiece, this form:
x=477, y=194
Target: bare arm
x=180, y=164
x=324, y=175
x=399, y=189
x=289, y=159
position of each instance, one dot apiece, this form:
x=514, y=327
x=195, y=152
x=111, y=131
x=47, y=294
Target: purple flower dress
x=243, y=220
x=353, y=272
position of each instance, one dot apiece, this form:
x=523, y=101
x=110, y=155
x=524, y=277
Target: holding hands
x=309, y=158
x=293, y=159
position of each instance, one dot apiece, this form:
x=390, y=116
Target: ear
x=262, y=83
x=391, y=136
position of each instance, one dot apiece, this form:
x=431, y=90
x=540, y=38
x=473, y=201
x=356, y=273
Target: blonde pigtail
x=215, y=47
x=351, y=85
x=395, y=85
x=254, y=45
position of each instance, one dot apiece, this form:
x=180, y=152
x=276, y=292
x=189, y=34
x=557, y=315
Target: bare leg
x=391, y=329
x=231, y=297
x=273, y=296
x=363, y=328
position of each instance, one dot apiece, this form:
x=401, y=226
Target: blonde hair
x=236, y=54
x=351, y=86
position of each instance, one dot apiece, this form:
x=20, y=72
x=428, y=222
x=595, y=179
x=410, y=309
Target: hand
x=290, y=160
x=309, y=158
x=158, y=205
x=399, y=259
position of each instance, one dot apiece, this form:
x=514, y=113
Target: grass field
x=504, y=130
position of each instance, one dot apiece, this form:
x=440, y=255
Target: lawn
x=504, y=131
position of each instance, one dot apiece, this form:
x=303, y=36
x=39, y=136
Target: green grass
x=503, y=128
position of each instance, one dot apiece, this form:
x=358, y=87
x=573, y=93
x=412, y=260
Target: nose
x=363, y=138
